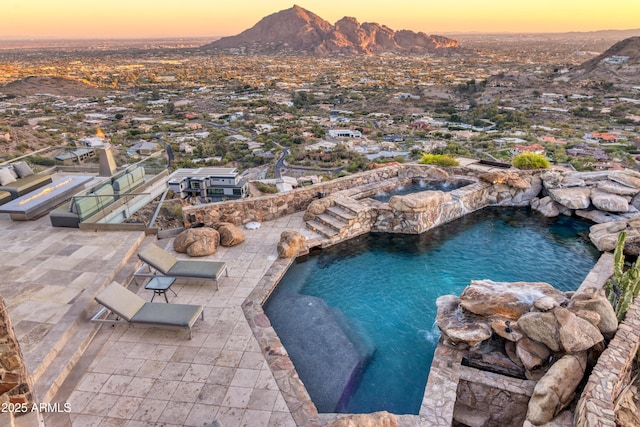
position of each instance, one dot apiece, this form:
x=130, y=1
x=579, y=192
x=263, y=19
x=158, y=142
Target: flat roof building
x=208, y=184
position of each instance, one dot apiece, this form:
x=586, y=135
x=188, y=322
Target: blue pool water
x=385, y=286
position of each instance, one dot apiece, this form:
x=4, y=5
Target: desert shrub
x=266, y=188
x=438, y=160
x=173, y=210
x=529, y=161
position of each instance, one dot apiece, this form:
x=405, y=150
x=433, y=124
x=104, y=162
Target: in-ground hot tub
x=417, y=185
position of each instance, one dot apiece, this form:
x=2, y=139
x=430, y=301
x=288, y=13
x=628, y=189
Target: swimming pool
x=377, y=294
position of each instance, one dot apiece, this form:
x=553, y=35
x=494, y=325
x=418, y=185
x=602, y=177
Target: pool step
x=349, y=206
x=321, y=228
x=332, y=221
x=341, y=213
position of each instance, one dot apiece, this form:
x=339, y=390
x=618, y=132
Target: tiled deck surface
x=138, y=376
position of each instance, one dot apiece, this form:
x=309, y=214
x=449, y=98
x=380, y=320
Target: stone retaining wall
x=611, y=374
x=16, y=389
x=490, y=399
x=267, y=208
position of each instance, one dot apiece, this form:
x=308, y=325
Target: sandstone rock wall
x=267, y=208
x=611, y=375
x=15, y=383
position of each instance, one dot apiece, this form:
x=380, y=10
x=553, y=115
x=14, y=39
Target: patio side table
x=159, y=285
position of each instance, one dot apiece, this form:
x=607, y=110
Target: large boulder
x=510, y=179
x=317, y=207
x=597, y=302
x=573, y=198
x=629, y=178
x=605, y=236
x=575, y=333
x=608, y=202
x=458, y=326
x=437, y=173
x=505, y=299
x=291, y=242
x=615, y=188
x=419, y=202
x=197, y=242
x=556, y=389
x=230, y=235
x=560, y=330
x=541, y=327
x=377, y=419
x=546, y=206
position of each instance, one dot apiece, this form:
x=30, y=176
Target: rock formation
x=299, y=30
x=547, y=333
x=230, y=235
x=290, y=244
x=377, y=419
x=197, y=242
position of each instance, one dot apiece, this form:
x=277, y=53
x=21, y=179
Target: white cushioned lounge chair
x=129, y=307
x=160, y=262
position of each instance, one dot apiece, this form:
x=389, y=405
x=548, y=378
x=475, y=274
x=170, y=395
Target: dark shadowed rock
x=531, y=353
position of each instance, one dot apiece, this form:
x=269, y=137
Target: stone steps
x=331, y=221
x=63, y=346
x=321, y=228
x=350, y=206
x=341, y=213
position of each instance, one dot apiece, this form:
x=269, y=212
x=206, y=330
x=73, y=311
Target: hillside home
x=208, y=184
x=604, y=136
x=533, y=148
x=344, y=133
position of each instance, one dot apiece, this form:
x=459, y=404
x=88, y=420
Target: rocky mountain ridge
x=620, y=63
x=299, y=30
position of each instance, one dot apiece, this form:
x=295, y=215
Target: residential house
x=604, y=136
x=344, y=133
x=208, y=184
x=533, y=148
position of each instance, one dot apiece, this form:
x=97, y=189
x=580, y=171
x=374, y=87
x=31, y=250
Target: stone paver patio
x=139, y=376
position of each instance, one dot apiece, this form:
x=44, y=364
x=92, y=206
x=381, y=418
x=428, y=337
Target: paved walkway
x=138, y=376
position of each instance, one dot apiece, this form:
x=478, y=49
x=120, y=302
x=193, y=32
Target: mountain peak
x=301, y=31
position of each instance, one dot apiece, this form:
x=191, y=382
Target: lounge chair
x=158, y=261
x=134, y=310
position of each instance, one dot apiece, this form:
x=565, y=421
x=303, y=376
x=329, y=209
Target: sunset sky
x=211, y=18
